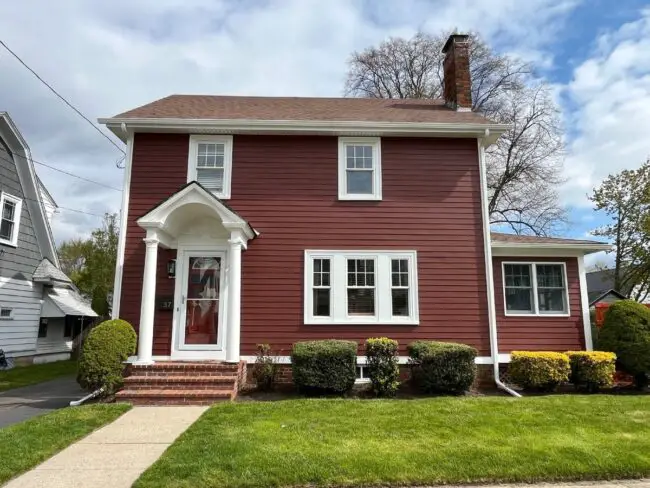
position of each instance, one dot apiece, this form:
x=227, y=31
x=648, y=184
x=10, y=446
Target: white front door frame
x=179, y=350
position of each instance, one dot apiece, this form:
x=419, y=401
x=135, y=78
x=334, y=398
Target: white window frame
x=338, y=288
x=195, y=140
x=375, y=142
x=17, y=215
x=535, y=312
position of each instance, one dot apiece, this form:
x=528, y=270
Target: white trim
x=535, y=312
x=195, y=140
x=490, y=131
x=338, y=287
x=584, y=302
x=18, y=207
x=502, y=248
x=375, y=143
x=361, y=360
x=124, y=216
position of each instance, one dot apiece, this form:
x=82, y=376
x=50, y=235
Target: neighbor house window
x=210, y=163
x=6, y=313
x=42, y=329
x=10, y=208
x=374, y=287
x=535, y=289
x=359, y=168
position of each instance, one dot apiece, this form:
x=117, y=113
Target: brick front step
x=175, y=382
x=166, y=396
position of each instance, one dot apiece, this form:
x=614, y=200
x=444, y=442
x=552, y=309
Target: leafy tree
x=625, y=199
x=524, y=167
x=90, y=263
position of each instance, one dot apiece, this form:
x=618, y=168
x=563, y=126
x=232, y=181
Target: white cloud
x=108, y=57
x=611, y=93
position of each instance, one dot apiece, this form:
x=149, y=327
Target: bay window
x=358, y=287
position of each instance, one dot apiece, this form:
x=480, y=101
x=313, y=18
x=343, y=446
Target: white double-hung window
x=359, y=168
x=210, y=163
x=535, y=288
x=361, y=287
x=10, y=208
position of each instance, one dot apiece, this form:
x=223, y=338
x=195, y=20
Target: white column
x=148, y=304
x=234, y=298
x=584, y=299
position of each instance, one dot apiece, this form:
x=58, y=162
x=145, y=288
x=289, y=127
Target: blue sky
x=111, y=56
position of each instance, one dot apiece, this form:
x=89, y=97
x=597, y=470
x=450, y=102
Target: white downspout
x=489, y=273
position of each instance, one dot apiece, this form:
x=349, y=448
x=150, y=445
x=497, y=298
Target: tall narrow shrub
x=382, y=366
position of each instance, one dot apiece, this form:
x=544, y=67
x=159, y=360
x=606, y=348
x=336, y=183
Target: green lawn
x=402, y=442
x=35, y=373
x=24, y=445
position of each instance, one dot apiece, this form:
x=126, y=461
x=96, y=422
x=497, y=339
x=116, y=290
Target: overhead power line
x=65, y=208
x=61, y=97
x=65, y=172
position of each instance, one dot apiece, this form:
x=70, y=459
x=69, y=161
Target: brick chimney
x=457, y=83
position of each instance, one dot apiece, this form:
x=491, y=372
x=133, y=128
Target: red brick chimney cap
x=454, y=38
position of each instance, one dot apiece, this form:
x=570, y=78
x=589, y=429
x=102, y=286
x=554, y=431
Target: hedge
x=442, y=367
x=592, y=370
x=626, y=333
x=543, y=371
x=102, y=359
x=382, y=366
x=327, y=366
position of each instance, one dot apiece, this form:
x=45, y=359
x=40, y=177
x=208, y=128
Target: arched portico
x=209, y=238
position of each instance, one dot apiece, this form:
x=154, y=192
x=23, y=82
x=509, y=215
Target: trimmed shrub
x=542, y=371
x=265, y=370
x=382, y=366
x=102, y=359
x=592, y=370
x=327, y=366
x=626, y=333
x=442, y=367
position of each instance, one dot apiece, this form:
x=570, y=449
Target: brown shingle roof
x=517, y=239
x=297, y=108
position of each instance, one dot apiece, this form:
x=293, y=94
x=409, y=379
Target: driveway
x=24, y=403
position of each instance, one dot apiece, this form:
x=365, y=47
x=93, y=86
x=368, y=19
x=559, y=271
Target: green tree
x=625, y=198
x=90, y=263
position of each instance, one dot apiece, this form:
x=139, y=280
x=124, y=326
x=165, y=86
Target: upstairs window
x=535, y=289
x=10, y=208
x=210, y=163
x=359, y=168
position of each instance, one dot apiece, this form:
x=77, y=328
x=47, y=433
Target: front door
x=201, y=312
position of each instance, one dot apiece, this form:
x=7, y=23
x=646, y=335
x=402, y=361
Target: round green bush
x=626, y=333
x=102, y=359
x=327, y=366
x=442, y=367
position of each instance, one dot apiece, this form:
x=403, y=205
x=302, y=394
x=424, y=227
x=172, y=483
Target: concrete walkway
x=115, y=455
x=29, y=401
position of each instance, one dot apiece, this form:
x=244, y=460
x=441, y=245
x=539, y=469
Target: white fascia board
x=546, y=249
x=490, y=132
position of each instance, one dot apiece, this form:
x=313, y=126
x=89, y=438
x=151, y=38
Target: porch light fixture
x=171, y=268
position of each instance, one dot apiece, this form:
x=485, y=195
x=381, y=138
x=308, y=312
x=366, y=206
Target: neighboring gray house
x=600, y=287
x=40, y=309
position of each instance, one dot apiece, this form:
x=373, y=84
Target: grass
x=419, y=442
x=35, y=373
x=27, y=444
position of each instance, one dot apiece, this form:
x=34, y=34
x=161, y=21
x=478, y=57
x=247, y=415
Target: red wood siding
x=286, y=187
x=540, y=333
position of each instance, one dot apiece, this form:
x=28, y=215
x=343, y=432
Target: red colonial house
x=251, y=220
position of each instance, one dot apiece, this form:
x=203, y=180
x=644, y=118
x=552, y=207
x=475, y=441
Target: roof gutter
x=489, y=272
x=490, y=131
x=587, y=248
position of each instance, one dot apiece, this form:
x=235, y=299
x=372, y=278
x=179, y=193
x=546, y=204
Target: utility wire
x=64, y=208
x=63, y=171
x=61, y=97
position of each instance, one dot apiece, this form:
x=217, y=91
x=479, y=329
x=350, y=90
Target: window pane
x=551, y=300
x=359, y=182
x=517, y=275
x=550, y=275
x=322, y=302
x=212, y=179
x=8, y=211
x=317, y=279
x=326, y=279
x=519, y=300
x=400, y=302
x=326, y=265
x=361, y=301
x=6, y=229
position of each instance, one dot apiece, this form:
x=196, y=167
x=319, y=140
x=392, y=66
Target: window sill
x=538, y=315
x=6, y=319
x=362, y=198
x=8, y=243
x=360, y=322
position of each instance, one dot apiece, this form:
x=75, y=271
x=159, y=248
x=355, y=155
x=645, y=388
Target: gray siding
x=21, y=261
x=18, y=334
